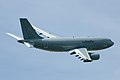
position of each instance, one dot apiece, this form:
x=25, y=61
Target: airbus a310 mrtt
x=78, y=46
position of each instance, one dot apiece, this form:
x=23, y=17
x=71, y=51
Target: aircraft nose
x=112, y=43
x=109, y=43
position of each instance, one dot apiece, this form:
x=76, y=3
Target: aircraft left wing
x=82, y=54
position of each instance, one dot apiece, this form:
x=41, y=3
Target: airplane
x=81, y=47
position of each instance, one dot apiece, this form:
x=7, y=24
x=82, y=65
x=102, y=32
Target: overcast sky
x=66, y=18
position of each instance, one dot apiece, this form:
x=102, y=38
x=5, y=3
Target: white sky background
x=66, y=18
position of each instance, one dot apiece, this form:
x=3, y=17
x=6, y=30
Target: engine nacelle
x=94, y=56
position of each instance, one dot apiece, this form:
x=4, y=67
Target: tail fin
x=27, y=30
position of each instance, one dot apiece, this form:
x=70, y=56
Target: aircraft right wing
x=44, y=33
x=82, y=54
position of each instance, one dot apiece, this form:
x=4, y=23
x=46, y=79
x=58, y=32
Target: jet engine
x=94, y=56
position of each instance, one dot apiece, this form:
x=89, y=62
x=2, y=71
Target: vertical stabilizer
x=27, y=30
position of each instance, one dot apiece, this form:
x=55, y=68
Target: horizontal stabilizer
x=28, y=45
x=12, y=35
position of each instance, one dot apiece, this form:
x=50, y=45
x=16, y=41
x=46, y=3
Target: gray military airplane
x=78, y=46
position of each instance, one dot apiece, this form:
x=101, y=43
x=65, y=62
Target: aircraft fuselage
x=67, y=44
x=78, y=46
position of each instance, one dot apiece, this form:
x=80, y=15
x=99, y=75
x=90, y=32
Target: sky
x=99, y=18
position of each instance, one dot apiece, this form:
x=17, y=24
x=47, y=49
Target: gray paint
x=67, y=44
x=81, y=17
x=60, y=44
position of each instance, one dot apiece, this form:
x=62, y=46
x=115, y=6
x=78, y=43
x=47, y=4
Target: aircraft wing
x=82, y=54
x=44, y=33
